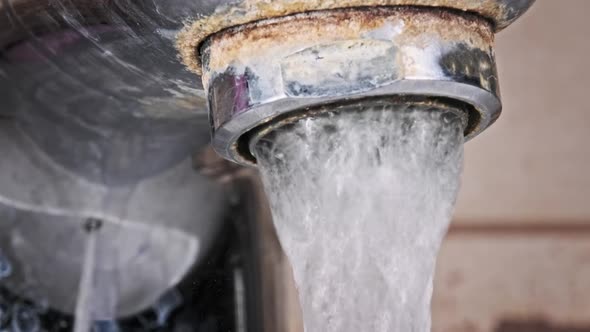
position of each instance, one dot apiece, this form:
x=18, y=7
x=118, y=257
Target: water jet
x=355, y=115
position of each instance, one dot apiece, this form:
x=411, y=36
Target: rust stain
x=275, y=36
x=249, y=11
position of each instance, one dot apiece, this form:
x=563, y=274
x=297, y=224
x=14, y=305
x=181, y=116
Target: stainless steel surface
x=154, y=231
x=100, y=120
x=89, y=92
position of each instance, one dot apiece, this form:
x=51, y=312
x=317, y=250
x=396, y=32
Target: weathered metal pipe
x=281, y=61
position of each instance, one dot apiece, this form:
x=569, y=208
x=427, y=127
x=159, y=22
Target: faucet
x=110, y=109
x=279, y=63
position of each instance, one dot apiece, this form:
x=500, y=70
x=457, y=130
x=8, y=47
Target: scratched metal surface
x=99, y=119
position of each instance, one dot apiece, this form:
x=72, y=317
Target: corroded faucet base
x=258, y=72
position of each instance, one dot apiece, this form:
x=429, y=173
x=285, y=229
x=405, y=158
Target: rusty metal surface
x=404, y=26
x=500, y=12
x=256, y=72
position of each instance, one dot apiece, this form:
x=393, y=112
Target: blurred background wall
x=518, y=255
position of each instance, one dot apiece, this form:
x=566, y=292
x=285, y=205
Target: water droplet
x=25, y=319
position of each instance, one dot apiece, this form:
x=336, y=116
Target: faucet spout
x=267, y=67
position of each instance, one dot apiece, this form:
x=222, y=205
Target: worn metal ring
x=258, y=72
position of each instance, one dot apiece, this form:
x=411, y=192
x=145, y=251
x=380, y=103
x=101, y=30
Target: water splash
x=361, y=202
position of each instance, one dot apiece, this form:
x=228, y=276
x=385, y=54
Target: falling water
x=361, y=202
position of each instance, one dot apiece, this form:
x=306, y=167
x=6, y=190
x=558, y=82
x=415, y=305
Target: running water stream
x=361, y=202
